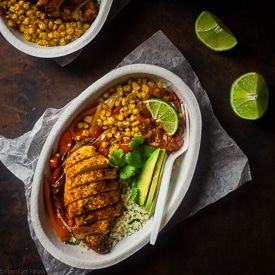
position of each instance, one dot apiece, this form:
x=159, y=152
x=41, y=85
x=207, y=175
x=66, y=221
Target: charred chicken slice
x=98, y=243
x=92, y=163
x=92, y=203
x=110, y=211
x=80, y=154
x=98, y=228
x=91, y=189
x=90, y=176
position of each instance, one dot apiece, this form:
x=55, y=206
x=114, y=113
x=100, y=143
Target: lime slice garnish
x=249, y=96
x=212, y=32
x=164, y=114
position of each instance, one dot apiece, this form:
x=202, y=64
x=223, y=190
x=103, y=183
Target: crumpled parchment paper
x=222, y=167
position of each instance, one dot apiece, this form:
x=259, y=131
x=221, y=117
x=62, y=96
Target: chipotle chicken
x=91, y=197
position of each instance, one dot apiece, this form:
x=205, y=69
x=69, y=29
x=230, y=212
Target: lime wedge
x=164, y=114
x=249, y=96
x=212, y=32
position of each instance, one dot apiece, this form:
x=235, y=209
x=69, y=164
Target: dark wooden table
x=235, y=235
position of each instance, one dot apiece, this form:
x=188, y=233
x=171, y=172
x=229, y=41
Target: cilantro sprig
x=136, y=142
x=127, y=172
x=117, y=158
x=130, y=164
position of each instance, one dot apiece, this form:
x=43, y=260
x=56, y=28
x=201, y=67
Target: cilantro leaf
x=134, y=159
x=117, y=158
x=136, y=141
x=131, y=163
x=134, y=220
x=135, y=194
x=134, y=182
x=147, y=151
x=127, y=172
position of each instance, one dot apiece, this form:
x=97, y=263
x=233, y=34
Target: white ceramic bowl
x=16, y=39
x=79, y=256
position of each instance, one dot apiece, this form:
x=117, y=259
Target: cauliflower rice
x=132, y=219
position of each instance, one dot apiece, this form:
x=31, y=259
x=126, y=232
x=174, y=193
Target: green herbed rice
x=132, y=219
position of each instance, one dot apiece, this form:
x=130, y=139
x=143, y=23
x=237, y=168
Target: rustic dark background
x=235, y=235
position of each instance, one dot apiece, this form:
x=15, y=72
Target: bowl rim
x=15, y=38
x=64, y=120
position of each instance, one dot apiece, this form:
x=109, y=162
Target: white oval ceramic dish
x=81, y=257
x=16, y=39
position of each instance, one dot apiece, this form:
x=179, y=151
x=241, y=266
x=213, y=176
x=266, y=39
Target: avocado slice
x=156, y=180
x=145, y=178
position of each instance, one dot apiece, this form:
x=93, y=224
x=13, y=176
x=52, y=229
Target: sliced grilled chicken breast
x=100, y=227
x=90, y=176
x=91, y=189
x=99, y=243
x=92, y=203
x=92, y=163
x=80, y=154
x=91, y=197
x=110, y=211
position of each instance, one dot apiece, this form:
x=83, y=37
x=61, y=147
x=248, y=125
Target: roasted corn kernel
x=120, y=117
x=88, y=119
x=81, y=125
x=135, y=86
x=85, y=133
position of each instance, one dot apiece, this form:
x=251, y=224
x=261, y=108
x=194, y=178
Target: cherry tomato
x=96, y=133
x=56, y=174
x=116, y=110
x=103, y=150
x=65, y=142
x=54, y=160
x=125, y=147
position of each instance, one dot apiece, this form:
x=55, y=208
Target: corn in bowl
x=38, y=26
x=122, y=114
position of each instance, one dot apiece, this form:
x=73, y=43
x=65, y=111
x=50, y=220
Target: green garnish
x=147, y=151
x=135, y=194
x=134, y=159
x=130, y=164
x=135, y=191
x=117, y=158
x=136, y=141
x=127, y=172
x=134, y=220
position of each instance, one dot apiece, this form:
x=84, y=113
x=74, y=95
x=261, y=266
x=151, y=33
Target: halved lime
x=164, y=114
x=212, y=32
x=249, y=96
